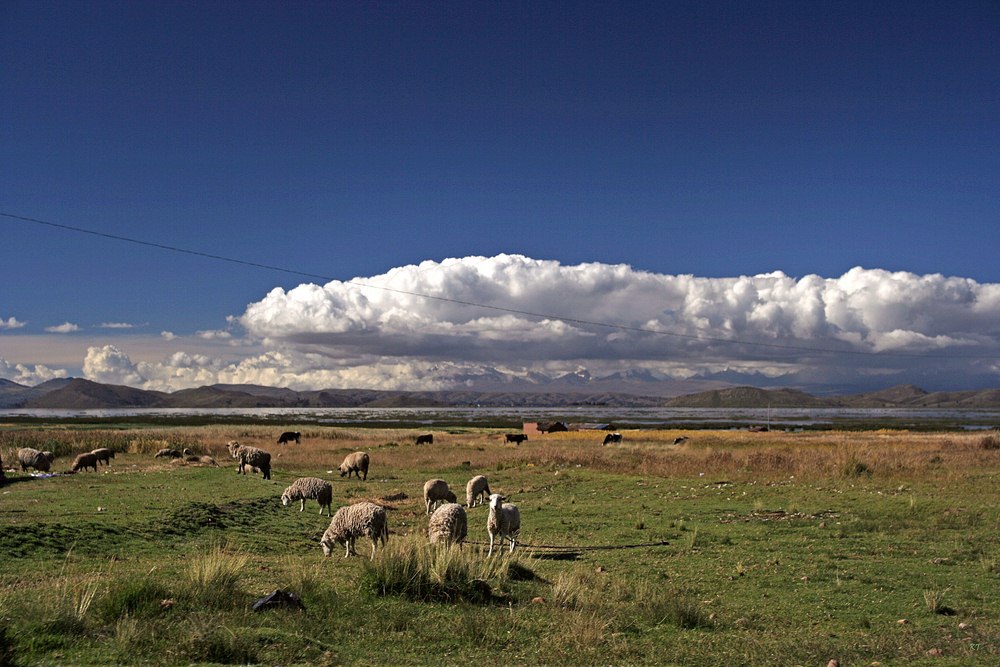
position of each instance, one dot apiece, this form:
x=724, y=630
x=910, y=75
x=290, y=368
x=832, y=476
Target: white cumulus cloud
x=535, y=309
x=440, y=325
x=11, y=323
x=65, y=327
x=28, y=375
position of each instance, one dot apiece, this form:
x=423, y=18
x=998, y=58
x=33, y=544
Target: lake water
x=775, y=418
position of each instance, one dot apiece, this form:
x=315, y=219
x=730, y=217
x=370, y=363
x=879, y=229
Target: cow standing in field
x=612, y=438
x=425, y=439
x=516, y=438
x=289, y=436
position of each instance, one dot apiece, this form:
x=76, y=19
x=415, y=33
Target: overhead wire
x=505, y=309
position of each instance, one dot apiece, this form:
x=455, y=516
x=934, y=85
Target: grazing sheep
x=437, y=491
x=104, y=454
x=681, y=439
x=250, y=456
x=611, y=438
x=289, y=436
x=309, y=487
x=476, y=491
x=504, y=522
x=354, y=521
x=448, y=524
x=32, y=458
x=425, y=439
x=84, y=461
x=167, y=453
x=187, y=451
x=356, y=463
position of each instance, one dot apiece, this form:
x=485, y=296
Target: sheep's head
x=496, y=501
x=285, y=499
x=327, y=547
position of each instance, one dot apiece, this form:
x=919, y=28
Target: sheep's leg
x=302, y=504
x=490, y=553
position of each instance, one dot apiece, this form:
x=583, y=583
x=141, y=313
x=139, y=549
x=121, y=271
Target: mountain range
x=81, y=394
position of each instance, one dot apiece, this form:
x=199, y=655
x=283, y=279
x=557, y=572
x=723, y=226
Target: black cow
x=425, y=439
x=516, y=438
x=288, y=436
x=612, y=438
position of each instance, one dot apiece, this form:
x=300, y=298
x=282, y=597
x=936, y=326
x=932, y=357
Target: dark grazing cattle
x=425, y=439
x=516, y=438
x=288, y=436
x=612, y=438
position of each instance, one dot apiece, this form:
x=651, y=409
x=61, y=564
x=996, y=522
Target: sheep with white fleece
x=504, y=522
x=354, y=521
x=309, y=487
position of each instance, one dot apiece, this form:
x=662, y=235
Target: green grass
x=158, y=564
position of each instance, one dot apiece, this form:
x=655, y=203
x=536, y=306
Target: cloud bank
x=441, y=325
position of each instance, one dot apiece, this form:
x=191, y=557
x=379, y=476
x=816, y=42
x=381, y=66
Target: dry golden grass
x=718, y=454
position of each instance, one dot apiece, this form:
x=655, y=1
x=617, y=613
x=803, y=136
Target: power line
x=503, y=309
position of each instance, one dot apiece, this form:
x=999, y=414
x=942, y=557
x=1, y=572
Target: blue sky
x=716, y=140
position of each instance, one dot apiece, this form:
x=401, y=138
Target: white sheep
x=104, y=454
x=448, y=524
x=309, y=487
x=504, y=522
x=32, y=458
x=354, y=521
x=250, y=456
x=437, y=491
x=476, y=491
x=356, y=463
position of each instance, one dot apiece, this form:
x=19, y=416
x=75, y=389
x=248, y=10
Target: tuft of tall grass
x=215, y=577
x=412, y=569
x=934, y=602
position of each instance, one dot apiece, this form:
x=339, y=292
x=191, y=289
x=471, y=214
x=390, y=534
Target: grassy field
x=733, y=548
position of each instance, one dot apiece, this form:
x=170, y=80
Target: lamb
x=32, y=458
x=504, y=522
x=437, y=491
x=448, y=524
x=353, y=521
x=104, y=454
x=476, y=491
x=309, y=487
x=250, y=456
x=356, y=463
x=84, y=461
